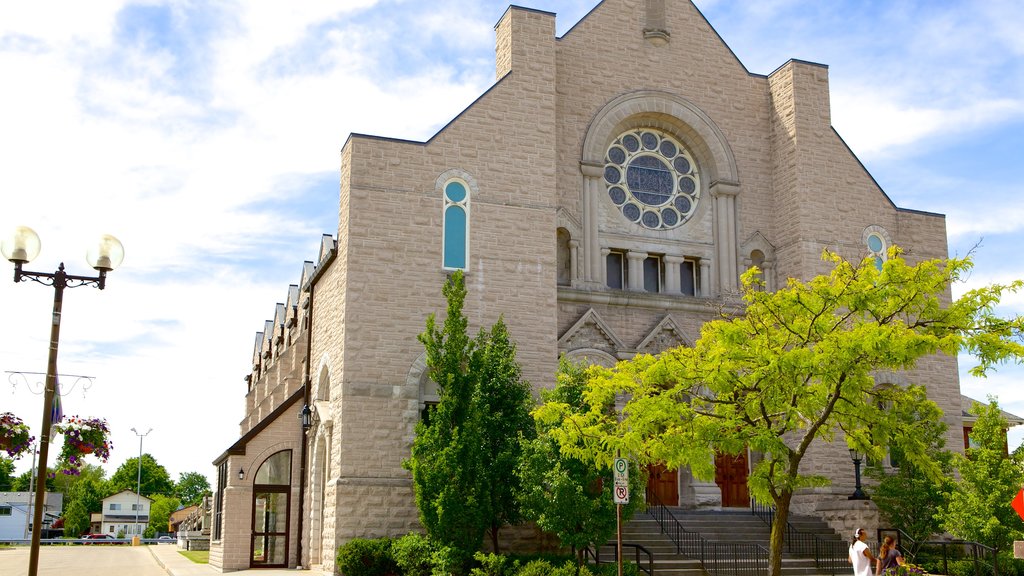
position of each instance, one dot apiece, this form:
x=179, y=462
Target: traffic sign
x=620, y=493
x=1018, y=503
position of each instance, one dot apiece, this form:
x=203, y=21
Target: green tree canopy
x=160, y=512
x=154, y=477
x=978, y=506
x=6, y=474
x=567, y=496
x=191, y=487
x=83, y=498
x=795, y=367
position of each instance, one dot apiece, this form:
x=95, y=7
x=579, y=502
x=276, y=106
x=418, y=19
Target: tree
x=6, y=474
x=25, y=482
x=795, y=368
x=908, y=498
x=84, y=497
x=447, y=456
x=191, y=488
x=154, y=477
x=567, y=496
x=978, y=507
x=160, y=512
x=467, y=448
x=502, y=401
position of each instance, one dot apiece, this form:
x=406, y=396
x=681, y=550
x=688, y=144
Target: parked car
x=99, y=539
x=166, y=540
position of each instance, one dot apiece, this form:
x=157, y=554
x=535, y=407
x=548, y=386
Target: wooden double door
x=731, y=476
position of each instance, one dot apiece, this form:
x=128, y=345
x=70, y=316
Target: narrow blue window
x=456, y=225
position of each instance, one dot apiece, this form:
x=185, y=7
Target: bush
x=412, y=555
x=494, y=565
x=450, y=561
x=365, y=557
x=538, y=567
x=612, y=569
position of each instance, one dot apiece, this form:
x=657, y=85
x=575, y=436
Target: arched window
x=456, y=225
x=877, y=241
x=271, y=507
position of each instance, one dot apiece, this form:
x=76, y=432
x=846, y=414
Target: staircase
x=728, y=526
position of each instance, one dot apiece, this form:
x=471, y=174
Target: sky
x=206, y=137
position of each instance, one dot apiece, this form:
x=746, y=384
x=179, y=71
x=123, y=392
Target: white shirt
x=861, y=563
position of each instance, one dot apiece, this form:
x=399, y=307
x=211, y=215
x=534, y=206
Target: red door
x=663, y=484
x=731, y=477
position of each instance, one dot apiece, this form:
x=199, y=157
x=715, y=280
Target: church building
x=604, y=195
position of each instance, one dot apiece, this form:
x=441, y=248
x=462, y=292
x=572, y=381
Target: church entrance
x=663, y=485
x=731, y=477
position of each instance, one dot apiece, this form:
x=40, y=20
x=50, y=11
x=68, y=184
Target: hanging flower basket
x=83, y=436
x=14, y=435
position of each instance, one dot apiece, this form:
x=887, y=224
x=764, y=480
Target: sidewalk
x=177, y=565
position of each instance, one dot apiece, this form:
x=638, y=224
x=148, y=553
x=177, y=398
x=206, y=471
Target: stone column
x=704, y=290
x=574, y=272
x=636, y=270
x=672, y=263
x=592, y=175
x=724, y=195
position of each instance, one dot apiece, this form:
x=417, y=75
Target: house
x=604, y=196
x=125, y=514
x=16, y=513
x=179, y=516
x=969, y=419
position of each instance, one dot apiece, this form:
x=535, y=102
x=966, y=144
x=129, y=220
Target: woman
x=888, y=556
x=860, y=555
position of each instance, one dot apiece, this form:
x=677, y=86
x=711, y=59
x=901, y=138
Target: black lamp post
x=20, y=248
x=858, y=493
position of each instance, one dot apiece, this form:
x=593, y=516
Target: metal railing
x=637, y=550
x=718, y=558
x=984, y=558
x=830, y=556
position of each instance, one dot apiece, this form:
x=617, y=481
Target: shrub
x=412, y=554
x=494, y=565
x=366, y=557
x=449, y=561
x=537, y=567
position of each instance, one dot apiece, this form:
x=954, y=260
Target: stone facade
x=742, y=170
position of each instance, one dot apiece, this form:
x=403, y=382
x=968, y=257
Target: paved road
x=108, y=560
x=82, y=561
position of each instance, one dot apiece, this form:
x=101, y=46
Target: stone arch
x=711, y=151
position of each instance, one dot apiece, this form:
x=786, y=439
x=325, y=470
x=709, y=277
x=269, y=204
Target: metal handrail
x=637, y=549
x=718, y=558
x=830, y=556
x=978, y=551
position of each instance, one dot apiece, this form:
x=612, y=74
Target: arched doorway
x=271, y=507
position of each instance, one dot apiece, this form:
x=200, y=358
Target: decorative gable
x=664, y=336
x=590, y=332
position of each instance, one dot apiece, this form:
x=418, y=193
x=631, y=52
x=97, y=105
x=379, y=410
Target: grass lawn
x=197, y=556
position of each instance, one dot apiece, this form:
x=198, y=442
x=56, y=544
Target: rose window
x=652, y=179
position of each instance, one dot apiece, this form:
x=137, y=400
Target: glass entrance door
x=270, y=528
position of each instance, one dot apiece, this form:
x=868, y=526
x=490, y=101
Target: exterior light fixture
x=858, y=493
x=241, y=474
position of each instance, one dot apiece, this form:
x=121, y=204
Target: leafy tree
x=567, y=496
x=25, y=483
x=154, y=477
x=191, y=488
x=6, y=474
x=503, y=401
x=160, y=512
x=908, y=498
x=84, y=497
x=794, y=369
x=978, y=506
x=447, y=456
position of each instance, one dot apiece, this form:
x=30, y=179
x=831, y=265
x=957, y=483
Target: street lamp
x=858, y=493
x=138, y=477
x=20, y=248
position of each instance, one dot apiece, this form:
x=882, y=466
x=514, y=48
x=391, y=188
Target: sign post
x=620, y=496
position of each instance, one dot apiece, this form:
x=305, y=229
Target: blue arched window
x=456, y=225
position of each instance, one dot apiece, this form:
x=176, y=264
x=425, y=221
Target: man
x=860, y=555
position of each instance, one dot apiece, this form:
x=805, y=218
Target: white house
x=125, y=513
x=16, y=513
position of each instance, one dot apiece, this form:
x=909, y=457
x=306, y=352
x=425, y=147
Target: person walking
x=888, y=556
x=860, y=555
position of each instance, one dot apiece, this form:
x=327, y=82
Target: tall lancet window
x=456, y=225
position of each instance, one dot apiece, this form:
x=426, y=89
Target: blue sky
x=206, y=137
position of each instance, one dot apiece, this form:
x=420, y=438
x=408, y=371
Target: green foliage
x=160, y=512
x=796, y=369
x=6, y=474
x=25, y=483
x=83, y=498
x=908, y=498
x=466, y=450
x=494, y=565
x=978, y=507
x=191, y=487
x=155, y=479
x=413, y=555
x=502, y=401
x=366, y=557
x=563, y=494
